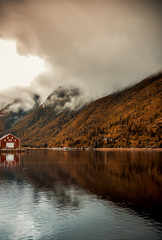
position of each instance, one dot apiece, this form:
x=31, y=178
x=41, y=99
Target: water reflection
x=130, y=178
x=9, y=159
x=59, y=190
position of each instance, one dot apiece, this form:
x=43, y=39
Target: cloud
x=19, y=98
x=63, y=98
x=98, y=45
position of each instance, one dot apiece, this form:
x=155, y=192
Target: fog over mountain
x=99, y=46
x=18, y=98
x=62, y=98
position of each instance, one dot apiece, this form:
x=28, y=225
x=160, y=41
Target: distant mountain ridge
x=50, y=118
x=13, y=112
x=129, y=118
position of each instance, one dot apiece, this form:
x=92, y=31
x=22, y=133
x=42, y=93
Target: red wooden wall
x=10, y=139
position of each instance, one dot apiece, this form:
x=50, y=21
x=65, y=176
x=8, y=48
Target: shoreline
x=98, y=149
x=16, y=150
x=67, y=149
x=128, y=149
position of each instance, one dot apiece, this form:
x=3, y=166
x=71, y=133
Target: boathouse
x=9, y=141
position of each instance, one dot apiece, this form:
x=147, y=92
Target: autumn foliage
x=129, y=118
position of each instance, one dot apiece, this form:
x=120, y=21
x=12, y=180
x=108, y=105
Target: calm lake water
x=81, y=195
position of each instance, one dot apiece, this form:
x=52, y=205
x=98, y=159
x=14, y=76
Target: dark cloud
x=99, y=45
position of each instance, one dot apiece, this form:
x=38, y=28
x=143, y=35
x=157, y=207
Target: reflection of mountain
x=129, y=178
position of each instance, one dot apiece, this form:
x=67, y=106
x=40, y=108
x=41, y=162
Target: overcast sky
x=98, y=45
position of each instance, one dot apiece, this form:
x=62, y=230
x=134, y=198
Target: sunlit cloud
x=16, y=69
x=99, y=46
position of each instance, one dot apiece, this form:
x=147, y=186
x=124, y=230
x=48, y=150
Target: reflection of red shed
x=9, y=159
x=9, y=141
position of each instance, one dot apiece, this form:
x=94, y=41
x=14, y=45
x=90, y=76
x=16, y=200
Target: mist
x=66, y=98
x=97, y=45
x=19, y=98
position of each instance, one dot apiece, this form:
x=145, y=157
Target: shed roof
x=9, y=134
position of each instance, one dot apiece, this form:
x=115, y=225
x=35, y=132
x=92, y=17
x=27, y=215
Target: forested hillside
x=130, y=118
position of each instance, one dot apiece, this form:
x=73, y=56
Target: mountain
x=129, y=118
x=13, y=112
x=49, y=119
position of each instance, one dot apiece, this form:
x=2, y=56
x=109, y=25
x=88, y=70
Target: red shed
x=9, y=141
